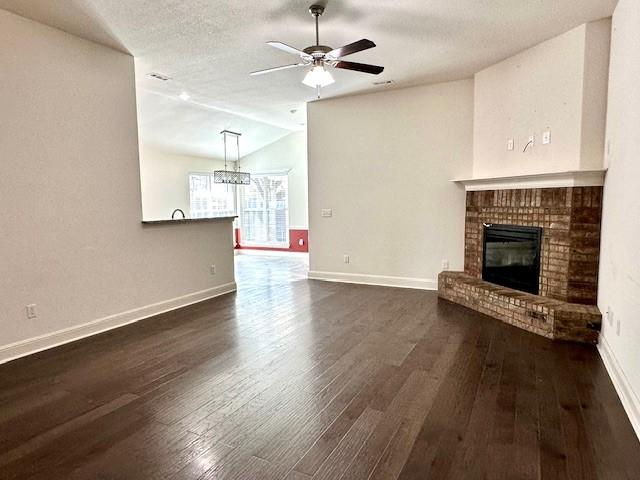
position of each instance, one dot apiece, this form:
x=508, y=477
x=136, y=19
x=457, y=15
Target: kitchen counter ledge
x=188, y=220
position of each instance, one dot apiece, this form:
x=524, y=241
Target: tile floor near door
x=297, y=379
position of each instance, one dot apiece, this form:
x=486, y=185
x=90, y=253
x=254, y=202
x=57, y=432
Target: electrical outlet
x=445, y=264
x=31, y=311
x=610, y=316
x=546, y=137
x=212, y=269
x=327, y=212
x=346, y=259
x=532, y=140
x=510, y=144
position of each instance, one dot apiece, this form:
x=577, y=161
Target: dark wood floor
x=303, y=379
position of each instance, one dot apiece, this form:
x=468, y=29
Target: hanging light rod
x=230, y=133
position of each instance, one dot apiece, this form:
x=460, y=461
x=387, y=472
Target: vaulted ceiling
x=208, y=47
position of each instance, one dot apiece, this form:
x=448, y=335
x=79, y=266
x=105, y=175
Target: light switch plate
x=546, y=137
x=327, y=212
x=510, y=144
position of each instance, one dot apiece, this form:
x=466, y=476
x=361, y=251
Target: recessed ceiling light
x=184, y=96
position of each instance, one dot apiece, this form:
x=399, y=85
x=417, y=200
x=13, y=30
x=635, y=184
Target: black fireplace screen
x=511, y=256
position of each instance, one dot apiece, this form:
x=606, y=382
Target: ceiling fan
x=318, y=57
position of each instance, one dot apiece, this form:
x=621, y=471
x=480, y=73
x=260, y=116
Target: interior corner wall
x=287, y=154
x=72, y=241
x=165, y=180
x=383, y=163
x=619, y=277
x=594, y=96
x=559, y=85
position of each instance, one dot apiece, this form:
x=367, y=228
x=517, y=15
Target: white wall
x=165, y=180
x=383, y=162
x=619, y=281
x=560, y=85
x=290, y=154
x=72, y=241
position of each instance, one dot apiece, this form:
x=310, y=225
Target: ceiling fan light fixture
x=319, y=56
x=318, y=77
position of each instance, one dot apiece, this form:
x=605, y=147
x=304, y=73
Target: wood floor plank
x=446, y=422
x=579, y=450
x=290, y=445
x=345, y=452
x=296, y=379
x=525, y=463
x=472, y=454
x=331, y=437
x=51, y=435
x=553, y=453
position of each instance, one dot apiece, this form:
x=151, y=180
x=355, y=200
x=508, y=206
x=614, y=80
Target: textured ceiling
x=208, y=47
x=193, y=128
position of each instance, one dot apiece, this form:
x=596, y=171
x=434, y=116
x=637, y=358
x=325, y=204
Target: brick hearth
x=545, y=316
x=570, y=219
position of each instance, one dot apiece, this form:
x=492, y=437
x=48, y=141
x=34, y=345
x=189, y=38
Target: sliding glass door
x=264, y=212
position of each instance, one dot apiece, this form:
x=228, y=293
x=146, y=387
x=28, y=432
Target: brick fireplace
x=570, y=219
x=568, y=278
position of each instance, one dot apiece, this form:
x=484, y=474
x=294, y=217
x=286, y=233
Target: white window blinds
x=265, y=211
x=208, y=199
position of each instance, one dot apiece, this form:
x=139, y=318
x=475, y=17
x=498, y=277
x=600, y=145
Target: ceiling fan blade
x=287, y=48
x=354, y=47
x=360, y=67
x=275, y=69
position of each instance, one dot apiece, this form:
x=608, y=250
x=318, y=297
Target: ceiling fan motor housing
x=316, y=10
x=317, y=50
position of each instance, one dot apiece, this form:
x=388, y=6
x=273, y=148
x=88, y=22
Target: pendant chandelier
x=235, y=176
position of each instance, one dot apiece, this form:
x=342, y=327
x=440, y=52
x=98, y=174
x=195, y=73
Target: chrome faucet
x=174, y=214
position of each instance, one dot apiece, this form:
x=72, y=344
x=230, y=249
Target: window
x=265, y=211
x=208, y=199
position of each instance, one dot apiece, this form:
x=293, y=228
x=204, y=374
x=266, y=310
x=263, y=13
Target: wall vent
x=383, y=82
x=159, y=76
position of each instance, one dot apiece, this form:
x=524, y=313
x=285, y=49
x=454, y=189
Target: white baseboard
x=77, y=332
x=627, y=396
x=381, y=280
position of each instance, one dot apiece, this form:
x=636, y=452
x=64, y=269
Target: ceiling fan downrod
x=317, y=11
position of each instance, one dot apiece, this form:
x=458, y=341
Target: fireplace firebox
x=511, y=256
